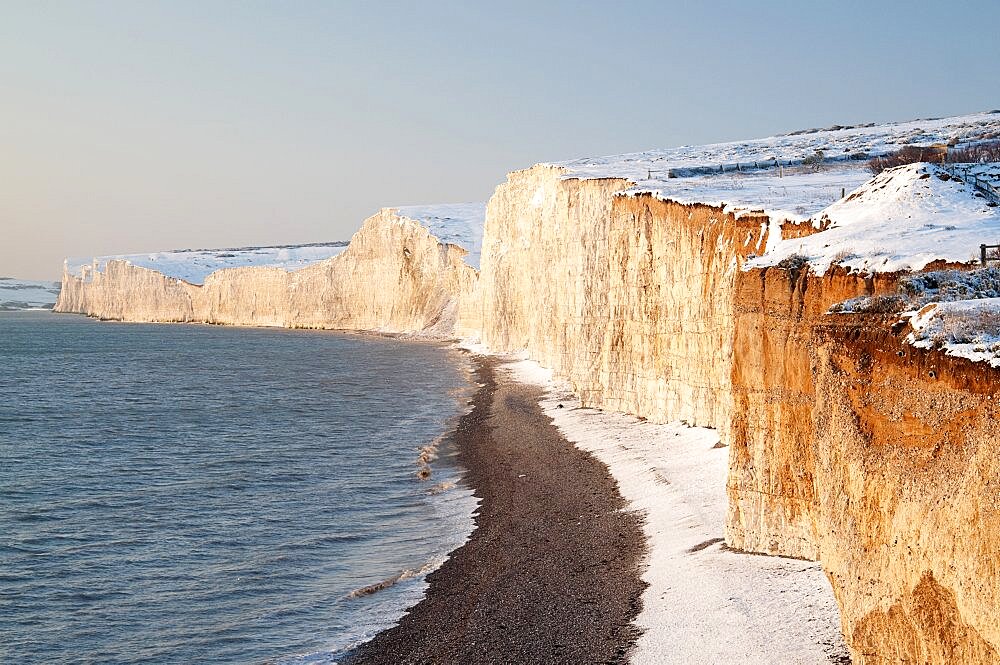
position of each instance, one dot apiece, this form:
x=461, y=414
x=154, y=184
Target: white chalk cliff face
x=394, y=277
x=626, y=297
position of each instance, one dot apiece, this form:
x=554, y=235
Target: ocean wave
x=388, y=582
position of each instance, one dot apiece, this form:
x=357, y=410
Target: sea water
x=186, y=493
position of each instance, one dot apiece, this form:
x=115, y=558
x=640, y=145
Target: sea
x=191, y=493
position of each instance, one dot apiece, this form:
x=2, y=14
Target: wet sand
x=551, y=573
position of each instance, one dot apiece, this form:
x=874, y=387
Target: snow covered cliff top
x=902, y=219
x=17, y=294
x=194, y=265
x=456, y=223
x=792, y=176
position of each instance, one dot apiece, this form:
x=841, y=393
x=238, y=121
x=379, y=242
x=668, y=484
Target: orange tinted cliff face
x=771, y=485
x=907, y=482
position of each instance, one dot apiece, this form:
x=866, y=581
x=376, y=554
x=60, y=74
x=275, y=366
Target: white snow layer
x=455, y=223
x=704, y=603
x=964, y=328
x=902, y=219
x=18, y=294
x=194, y=265
x=791, y=176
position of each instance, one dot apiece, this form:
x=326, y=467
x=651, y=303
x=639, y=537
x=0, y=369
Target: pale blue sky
x=137, y=126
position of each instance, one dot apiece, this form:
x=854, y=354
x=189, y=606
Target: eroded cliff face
x=124, y=292
x=626, y=297
x=394, y=277
x=907, y=479
x=771, y=485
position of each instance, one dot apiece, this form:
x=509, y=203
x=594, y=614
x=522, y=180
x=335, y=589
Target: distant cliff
x=20, y=294
x=394, y=277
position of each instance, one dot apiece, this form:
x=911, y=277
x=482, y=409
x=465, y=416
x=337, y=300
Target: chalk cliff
x=626, y=297
x=772, y=485
x=394, y=277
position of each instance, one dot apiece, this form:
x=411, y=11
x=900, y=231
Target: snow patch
x=902, y=219
x=962, y=328
x=459, y=224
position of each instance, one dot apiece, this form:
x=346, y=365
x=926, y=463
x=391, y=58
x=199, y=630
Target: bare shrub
x=815, y=160
x=793, y=262
x=952, y=285
x=909, y=154
x=973, y=327
x=979, y=153
x=888, y=303
x=843, y=255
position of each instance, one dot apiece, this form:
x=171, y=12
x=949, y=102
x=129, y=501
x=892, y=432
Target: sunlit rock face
x=772, y=486
x=626, y=297
x=394, y=277
x=907, y=480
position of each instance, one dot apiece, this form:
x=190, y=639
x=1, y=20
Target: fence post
x=982, y=254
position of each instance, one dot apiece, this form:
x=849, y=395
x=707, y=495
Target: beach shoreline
x=704, y=603
x=646, y=578
x=551, y=572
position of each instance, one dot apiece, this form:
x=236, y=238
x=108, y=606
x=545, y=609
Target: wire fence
x=964, y=173
x=989, y=253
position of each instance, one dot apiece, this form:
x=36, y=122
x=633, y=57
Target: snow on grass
x=902, y=219
x=194, y=265
x=455, y=223
x=704, y=603
x=791, y=176
x=963, y=328
x=18, y=294
x=952, y=310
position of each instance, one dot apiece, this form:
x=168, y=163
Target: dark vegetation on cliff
x=977, y=153
x=917, y=290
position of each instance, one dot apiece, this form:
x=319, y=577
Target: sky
x=139, y=126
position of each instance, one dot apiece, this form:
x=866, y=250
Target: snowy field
x=792, y=176
x=18, y=294
x=704, y=603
